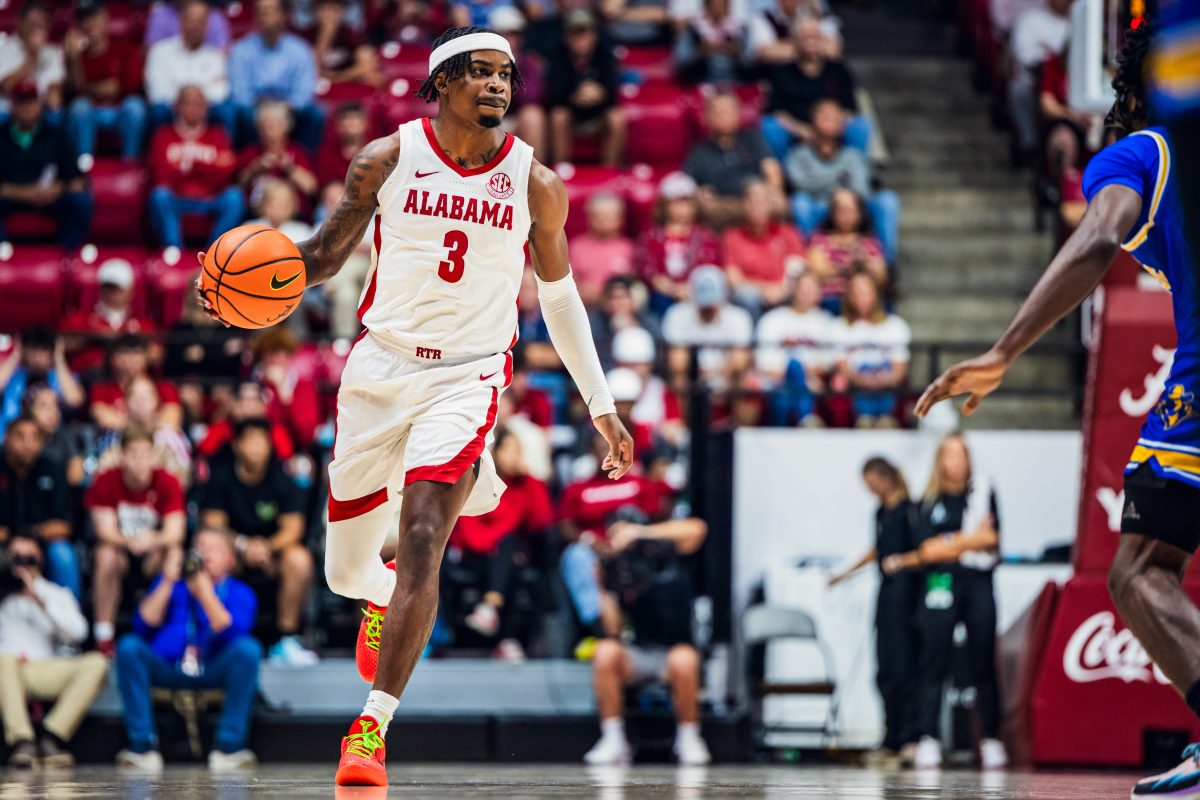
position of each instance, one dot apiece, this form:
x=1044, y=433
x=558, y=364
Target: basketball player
x=452, y=201
x=1133, y=197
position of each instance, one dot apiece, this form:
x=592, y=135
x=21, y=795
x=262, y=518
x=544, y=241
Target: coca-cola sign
x=1099, y=651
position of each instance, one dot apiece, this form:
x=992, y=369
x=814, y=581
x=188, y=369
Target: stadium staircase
x=968, y=249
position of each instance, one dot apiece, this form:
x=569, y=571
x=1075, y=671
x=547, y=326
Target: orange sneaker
x=366, y=651
x=363, y=753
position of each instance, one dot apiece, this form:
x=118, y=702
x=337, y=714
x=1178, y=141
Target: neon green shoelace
x=364, y=744
x=374, y=627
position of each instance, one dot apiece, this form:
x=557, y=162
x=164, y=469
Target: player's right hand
x=201, y=299
x=977, y=377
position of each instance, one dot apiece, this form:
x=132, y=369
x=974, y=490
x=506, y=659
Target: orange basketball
x=253, y=276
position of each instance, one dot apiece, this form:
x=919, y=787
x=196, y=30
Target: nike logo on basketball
x=420, y=174
x=483, y=377
x=277, y=284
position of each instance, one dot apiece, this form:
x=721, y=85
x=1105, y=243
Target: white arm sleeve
x=567, y=322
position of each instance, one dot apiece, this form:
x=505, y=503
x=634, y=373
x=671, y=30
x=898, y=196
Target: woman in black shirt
x=957, y=549
x=895, y=636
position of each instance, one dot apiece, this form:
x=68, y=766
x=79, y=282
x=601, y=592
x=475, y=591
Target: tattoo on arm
x=327, y=250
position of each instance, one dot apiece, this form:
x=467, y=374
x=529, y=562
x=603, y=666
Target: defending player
x=1133, y=203
x=453, y=201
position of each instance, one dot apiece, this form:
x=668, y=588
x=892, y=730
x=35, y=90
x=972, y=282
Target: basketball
x=253, y=276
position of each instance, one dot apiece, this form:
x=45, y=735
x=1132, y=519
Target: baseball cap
x=25, y=90
x=625, y=385
x=115, y=272
x=677, y=186
x=633, y=346
x=708, y=286
x=579, y=18
x=506, y=19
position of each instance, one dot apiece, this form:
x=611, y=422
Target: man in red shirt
x=89, y=330
x=350, y=127
x=192, y=166
x=761, y=253
x=248, y=402
x=106, y=78
x=130, y=360
x=137, y=512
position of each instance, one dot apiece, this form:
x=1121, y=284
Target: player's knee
x=343, y=578
x=422, y=541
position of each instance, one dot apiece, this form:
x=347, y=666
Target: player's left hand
x=977, y=377
x=620, y=445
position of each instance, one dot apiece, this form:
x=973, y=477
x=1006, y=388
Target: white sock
x=382, y=595
x=687, y=730
x=380, y=707
x=103, y=631
x=612, y=727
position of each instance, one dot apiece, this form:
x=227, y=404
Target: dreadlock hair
x=456, y=66
x=1129, y=82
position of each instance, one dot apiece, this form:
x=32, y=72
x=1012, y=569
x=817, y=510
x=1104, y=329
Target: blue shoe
x=1181, y=782
x=288, y=651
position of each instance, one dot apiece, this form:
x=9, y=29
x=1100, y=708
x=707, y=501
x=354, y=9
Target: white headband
x=465, y=44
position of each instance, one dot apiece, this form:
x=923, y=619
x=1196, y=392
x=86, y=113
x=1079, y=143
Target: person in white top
x=38, y=621
x=1037, y=34
x=185, y=60
x=27, y=54
x=721, y=331
x=452, y=202
x=794, y=354
x=872, y=351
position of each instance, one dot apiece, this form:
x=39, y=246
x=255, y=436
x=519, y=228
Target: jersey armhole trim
x=1160, y=184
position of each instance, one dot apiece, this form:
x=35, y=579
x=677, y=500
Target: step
x=1033, y=371
x=963, y=249
x=909, y=73
x=965, y=199
x=980, y=279
x=920, y=219
x=1017, y=411
x=980, y=160
x=974, y=319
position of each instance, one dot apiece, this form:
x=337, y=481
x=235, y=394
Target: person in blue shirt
x=1134, y=203
x=192, y=631
x=272, y=64
x=37, y=360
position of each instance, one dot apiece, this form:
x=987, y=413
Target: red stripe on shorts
x=340, y=510
x=454, y=469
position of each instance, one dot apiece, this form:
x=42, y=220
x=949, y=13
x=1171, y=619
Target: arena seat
x=583, y=181
x=170, y=276
x=407, y=61
x=660, y=123
x=641, y=192
x=31, y=287
x=119, y=190
x=241, y=18
x=31, y=226
x=647, y=63
x=127, y=21
x=398, y=105
x=81, y=287
x=330, y=95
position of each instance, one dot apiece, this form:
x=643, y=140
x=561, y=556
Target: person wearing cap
x=707, y=321
x=30, y=56
x=581, y=92
x=36, y=359
x=38, y=172
x=271, y=64
x=667, y=253
x=342, y=51
x=90, y=329
x=105, y=78
x=655, y=407
x=526, y=111
x=188, y=58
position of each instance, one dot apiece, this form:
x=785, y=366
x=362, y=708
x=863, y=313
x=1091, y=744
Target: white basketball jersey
x=449, y=251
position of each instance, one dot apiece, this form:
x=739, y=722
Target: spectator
x=527, y=401
x=30, y=58
x=709, y=46
x=187, y=59
x=253, y=498
x=344, y=290
x=635, y=22
x=249, y=401
x=342, y=51
x=872, y=347
x=474, y=13
x=708, y=321
x=817, y=168
x=137, y=513
x=274, y=157
x=130, y=361
x=582, y=92
x=192, y=631
x=36, y=359
x=794, y=355
x=62, y=447
x=526, y=111
x=404, y=21
x=1038, y=33
x=656, y=408
x=198, y=346
x=89, y=331
x=350, y=129
x=1066, y=130
x=666, y=254
x=603, y=251
x=796, y=87
x=143, y=408
x=272, y=64
x=34, y=501
x=170, y=18
x=617, y=310
x=37, y=620
x=38, y=171
x=191, y=165
x=761, y=254
x=728, y=159
x=498, y=545
x=843, y=243
x=277, y=207
x=658, y=606
x=106, y=79
x=769, y=41
x=292, y=399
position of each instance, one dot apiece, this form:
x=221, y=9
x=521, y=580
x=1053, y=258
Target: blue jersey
x=1170, y=438
x=1175, y=77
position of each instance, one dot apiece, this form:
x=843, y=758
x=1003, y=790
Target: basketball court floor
x=443, y=781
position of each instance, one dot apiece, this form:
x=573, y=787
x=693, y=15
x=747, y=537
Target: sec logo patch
x=500, y=186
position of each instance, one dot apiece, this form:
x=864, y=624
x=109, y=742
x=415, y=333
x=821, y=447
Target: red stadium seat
x=119, y=191
x=330, y=95
x=583, y=181
x=80, y=276
x=641, y=192
x=170, y=285
x=127, y=21
x=649, y=63
x=660, y=123
x=31, y=226
x=31, y=287
x=405, y=61
x=399, y=106
x=241, y=18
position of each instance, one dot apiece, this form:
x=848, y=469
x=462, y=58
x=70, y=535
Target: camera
x=10, y=582
x=192, y=563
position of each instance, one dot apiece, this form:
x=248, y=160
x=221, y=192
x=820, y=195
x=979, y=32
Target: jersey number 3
x=451, y=270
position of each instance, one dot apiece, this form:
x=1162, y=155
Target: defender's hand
x=977, y=377
x=201, y=299
x=620, y=446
